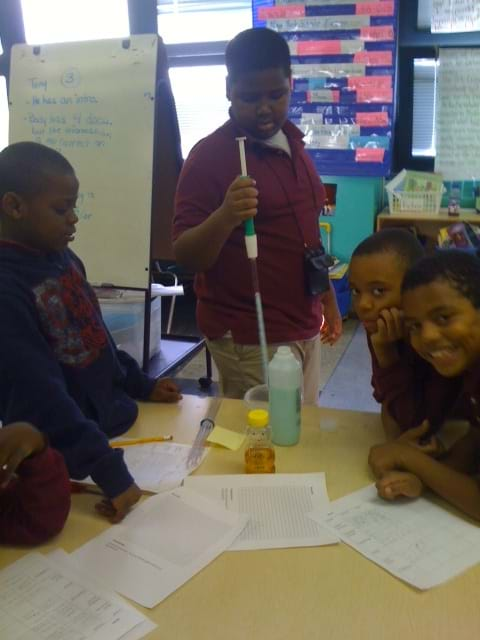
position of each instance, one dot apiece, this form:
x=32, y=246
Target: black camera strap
x=287, y=198
x=316, y=262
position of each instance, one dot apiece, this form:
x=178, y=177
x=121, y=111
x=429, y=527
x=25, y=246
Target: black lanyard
x=285, y=192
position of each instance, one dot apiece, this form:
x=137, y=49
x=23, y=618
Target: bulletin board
x=343, y=79
x=457, y=115
x=94, y=102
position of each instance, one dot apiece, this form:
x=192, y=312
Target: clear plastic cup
x=257, y=397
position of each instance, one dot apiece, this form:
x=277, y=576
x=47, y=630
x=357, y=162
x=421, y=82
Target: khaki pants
x=240, y=366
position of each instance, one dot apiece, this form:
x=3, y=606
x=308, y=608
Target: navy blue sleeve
x=33, y=388
x=136, y=383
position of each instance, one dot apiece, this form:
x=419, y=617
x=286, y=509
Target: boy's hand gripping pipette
x=252, y=253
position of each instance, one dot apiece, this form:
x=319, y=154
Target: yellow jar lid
x=257, y=418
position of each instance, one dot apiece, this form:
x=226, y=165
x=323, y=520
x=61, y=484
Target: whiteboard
x=457, y=117
x=94, y=102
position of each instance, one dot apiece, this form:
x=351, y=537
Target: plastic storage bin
x=124, y=317
x=423, y=201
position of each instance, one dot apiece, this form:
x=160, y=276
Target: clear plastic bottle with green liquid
x=285, y=396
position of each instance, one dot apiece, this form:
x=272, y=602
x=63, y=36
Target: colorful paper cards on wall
x=343, y=78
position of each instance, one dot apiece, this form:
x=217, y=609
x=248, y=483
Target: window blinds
x=182, y=21
x=424, y=88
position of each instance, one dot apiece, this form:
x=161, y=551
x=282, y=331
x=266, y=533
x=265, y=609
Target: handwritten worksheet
x=454, y=16
x=415, y=540
x=158, y=466
x=41, y=599
x=457, y=125
x=277, y=506
x=164, y=542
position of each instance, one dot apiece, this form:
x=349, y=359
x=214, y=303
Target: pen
x=126, y=443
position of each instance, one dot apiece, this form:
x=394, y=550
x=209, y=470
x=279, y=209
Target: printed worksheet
x=41, y=599
x=160, y=545
x=277, y=505
x=415, y=540
x=158, y=466
x=62, y=558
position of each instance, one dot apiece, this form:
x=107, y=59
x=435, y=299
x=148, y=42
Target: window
x=424, y=90
x=182, y=21
x=415, y=144
x=196, y=33
x=3, y=113
x=424, y=15
x=68, y=20
x=200, y=100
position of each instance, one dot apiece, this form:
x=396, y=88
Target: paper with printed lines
x=277, y=506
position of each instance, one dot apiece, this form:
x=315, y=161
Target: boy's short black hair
x=24, y=167
x=394, y=240
x=256, y=50
x=461, y=270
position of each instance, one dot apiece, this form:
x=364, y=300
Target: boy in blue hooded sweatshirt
x=59, y=368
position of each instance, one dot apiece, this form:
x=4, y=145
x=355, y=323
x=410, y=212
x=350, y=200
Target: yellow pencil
x=127, y=443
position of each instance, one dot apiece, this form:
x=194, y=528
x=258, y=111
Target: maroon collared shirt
x=291, y=196
x=412, y=391
x=34, y=506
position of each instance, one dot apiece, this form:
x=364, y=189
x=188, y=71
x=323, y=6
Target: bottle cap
x=257, y=418
x=284, y=352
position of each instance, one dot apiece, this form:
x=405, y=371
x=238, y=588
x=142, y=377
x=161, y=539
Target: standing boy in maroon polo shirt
x=283, y=193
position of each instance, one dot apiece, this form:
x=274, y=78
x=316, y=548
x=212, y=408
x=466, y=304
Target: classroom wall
x=358, y=200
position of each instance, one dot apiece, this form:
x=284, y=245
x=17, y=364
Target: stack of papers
x=172, y=536
x=160, y=545
x=277, y=505
x=48, y=597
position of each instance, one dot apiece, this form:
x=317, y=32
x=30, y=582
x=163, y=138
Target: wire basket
x=420, y=201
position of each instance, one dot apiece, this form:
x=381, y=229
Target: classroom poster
x=455, y=16
x=343, y=79
x=457, y=117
